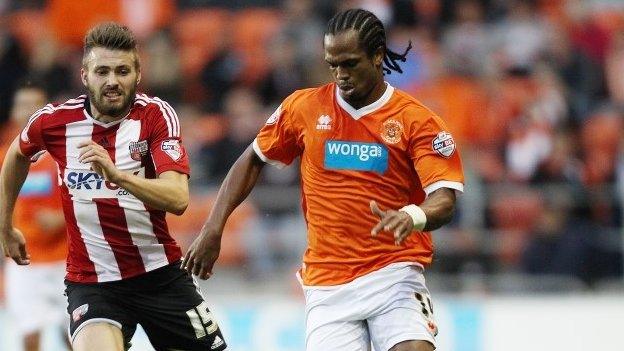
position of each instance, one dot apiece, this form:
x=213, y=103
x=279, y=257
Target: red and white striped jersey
x=112, y=234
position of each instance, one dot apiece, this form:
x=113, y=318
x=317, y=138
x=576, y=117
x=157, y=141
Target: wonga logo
x=356, y=156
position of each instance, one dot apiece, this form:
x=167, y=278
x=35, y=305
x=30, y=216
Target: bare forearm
x=162, y=194
x=439, y=208
x=237, y=185
x=14, y=171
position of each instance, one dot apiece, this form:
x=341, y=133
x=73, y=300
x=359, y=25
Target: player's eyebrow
x=341, y=62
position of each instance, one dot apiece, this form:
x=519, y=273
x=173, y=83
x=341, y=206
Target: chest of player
x=373, y=143
x=125, y=142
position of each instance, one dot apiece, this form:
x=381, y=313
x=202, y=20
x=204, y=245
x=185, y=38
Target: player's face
x=356, y=74
x=111, y=77
x=25, y=102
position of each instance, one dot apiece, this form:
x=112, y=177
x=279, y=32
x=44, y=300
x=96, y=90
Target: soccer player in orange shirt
x=379, y=171
x=34, y=294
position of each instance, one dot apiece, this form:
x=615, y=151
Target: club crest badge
x=138, y=149
x=172, y=148
x=444, y=144
x=391, y=131
x=79, y=312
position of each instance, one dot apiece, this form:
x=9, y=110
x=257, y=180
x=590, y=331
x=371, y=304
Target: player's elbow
x=179, y=204
x=178, y=209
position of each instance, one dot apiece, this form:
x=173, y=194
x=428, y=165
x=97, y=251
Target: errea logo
x=323, y=123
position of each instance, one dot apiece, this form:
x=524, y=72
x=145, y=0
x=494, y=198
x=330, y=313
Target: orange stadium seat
x=600, y=144
x=186, y=227
x=198, y=34
x=253, y=30
x=513, y=215
x=515, y=209
x=28, y=26
x=70, y=19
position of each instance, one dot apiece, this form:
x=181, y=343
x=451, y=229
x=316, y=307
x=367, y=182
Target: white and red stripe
x=171, y=118
x=113, y=235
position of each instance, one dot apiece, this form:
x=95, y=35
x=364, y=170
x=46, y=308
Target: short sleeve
x=276, y=142
x=168, y=152
x=435, y=156
x=31, y=138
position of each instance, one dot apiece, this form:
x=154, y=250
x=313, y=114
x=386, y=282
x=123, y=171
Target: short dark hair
x=112, y=36
x=371, y=35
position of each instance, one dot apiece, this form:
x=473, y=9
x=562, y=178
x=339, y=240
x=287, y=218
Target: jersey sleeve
x=435, y=156
x=168, y=152
x=276, y=142
x=31, y=138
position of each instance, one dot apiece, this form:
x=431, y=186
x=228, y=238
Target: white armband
x=418, y=216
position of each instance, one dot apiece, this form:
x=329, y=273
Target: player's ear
x=138, y=77
x=83, y=75
x=378, y=57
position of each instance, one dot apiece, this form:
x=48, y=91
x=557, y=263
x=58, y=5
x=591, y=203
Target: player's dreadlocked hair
x=371, y=35
x=112, y=36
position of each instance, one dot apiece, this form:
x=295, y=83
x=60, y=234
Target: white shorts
x=382, y=308
x=35, y=295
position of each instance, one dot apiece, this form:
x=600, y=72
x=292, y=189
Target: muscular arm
x=169, y=192
x=439, y=207
x=237, y=185
x=241, y=178
x=14, y=172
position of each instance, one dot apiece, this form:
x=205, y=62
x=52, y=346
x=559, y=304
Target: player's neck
x=373, y=95
x=98, y=116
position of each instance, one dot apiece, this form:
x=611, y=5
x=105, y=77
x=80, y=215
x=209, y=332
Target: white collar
x=362, y=111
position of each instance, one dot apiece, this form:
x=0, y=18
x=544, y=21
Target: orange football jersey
x=393, y=151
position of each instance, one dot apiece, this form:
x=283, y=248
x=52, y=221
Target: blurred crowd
x=532, y=90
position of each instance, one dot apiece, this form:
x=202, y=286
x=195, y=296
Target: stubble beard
x=109, y=109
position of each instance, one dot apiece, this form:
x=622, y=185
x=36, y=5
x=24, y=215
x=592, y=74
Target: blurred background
x=533, y=92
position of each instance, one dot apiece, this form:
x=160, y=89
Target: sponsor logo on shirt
x=88, y=185
x=324, y=123
x=356, y=156
x=391, y=131
x=444, y=144
x=138, y=149
x=172, y=148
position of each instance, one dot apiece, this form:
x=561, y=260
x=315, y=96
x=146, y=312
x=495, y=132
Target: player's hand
x=398, y=222
x=101, y=163
x=14, y=246
x=203, y=253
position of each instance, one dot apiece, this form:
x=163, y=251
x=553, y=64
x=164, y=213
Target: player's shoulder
x=146, y=106
x=157, y=111
x=76, y=103
x=60, y=112
x=146, y=102
x=310, y=96
x=410, y=105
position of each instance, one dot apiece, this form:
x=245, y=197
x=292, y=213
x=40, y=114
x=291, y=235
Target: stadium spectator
x=37, y=290
x=361, y=141
x=122, y=167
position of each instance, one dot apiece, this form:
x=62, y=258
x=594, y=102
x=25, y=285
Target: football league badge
x=443, y=144
x=172, y=148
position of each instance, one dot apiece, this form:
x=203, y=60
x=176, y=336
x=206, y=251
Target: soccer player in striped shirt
x=122, y=166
